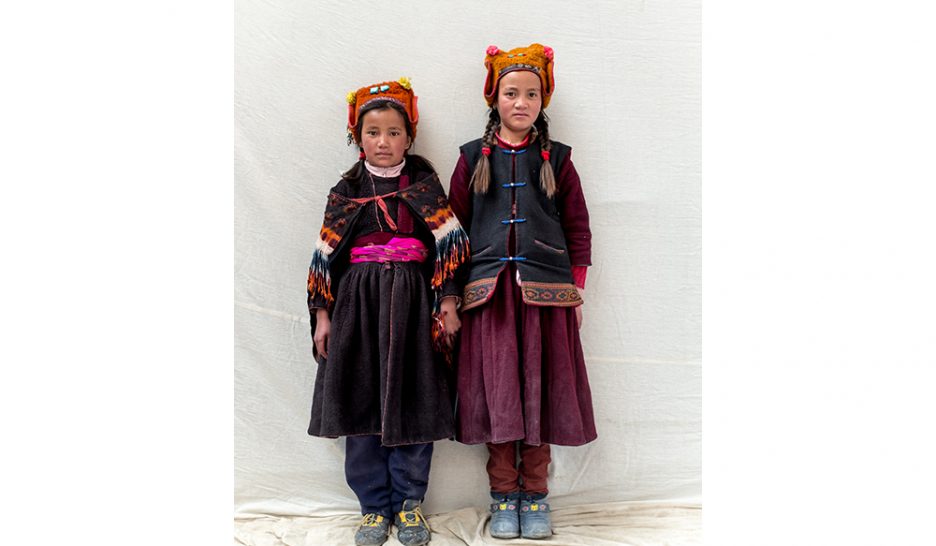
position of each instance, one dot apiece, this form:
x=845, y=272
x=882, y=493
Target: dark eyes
x=512, y=94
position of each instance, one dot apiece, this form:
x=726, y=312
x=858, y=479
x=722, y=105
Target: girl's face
x=519, y=102
x=383, y=137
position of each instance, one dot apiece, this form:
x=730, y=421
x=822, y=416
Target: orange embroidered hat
x=535, y=58
x=400, y=92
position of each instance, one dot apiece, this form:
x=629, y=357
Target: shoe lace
x=412, y=518
x=371, y=520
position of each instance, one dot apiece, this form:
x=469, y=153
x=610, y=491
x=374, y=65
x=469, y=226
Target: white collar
x=385, y=172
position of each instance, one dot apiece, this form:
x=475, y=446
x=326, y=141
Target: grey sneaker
x=505, y=521
x=373, y=531
x=412, y=527
x=534, y=518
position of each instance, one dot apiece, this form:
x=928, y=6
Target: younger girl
x=388, y=240
x=521, y=373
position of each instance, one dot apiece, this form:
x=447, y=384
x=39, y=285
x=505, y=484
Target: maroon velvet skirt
x=521, y=373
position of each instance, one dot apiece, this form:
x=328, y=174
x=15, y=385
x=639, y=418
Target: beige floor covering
x=625, y=523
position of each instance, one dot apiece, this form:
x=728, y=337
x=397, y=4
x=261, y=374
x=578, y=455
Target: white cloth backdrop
x=627, y=100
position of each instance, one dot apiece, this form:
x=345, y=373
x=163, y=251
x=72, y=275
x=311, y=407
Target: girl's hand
x=322, y=331
x=578, y=316
x=449, y=311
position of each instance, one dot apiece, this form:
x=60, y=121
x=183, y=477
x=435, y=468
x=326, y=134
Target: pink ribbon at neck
x=382, y=204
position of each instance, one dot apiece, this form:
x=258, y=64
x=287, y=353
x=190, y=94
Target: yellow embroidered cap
x=536, y=58
x=400, y=92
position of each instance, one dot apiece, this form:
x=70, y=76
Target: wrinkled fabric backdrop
x=627, y=99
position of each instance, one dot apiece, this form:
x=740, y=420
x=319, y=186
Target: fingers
x=322, y=332
x=578, y=317
x=452, y=329
x=452, y=323
x=321, y=344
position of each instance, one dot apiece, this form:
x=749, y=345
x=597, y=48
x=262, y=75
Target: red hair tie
x=361, y=155
x=486, y=151
x=545, y=154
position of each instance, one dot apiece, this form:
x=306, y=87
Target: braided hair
x=541, y=131
x=481, y=178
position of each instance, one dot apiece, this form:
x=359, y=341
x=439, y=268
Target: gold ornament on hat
x=400, y=92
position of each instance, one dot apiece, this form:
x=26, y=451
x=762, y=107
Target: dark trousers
x=383, y=477
x=530, y=476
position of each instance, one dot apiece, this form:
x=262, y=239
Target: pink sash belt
x=398, y=249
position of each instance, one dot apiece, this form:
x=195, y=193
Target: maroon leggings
x=507, y=476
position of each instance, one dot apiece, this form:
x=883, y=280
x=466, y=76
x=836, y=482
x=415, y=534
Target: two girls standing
x=521, y=379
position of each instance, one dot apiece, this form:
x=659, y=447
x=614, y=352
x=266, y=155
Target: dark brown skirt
x=521, y=373
x=382, y=376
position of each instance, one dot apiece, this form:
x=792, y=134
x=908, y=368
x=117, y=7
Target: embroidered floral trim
x=551, y=294
x=478, y=292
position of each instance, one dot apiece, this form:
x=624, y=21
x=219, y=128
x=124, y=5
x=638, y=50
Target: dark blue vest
x=540, y=252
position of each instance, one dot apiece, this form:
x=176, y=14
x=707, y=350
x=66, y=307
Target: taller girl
x=522, y=383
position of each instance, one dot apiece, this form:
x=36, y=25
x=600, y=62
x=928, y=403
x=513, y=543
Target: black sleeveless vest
x=540, y=253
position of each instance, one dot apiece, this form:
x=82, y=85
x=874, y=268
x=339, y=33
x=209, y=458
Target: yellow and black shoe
x=373, y=531
x=412, y=527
